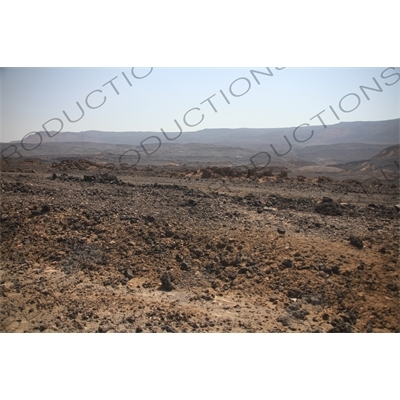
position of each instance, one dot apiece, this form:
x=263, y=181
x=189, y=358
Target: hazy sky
x=292, y=96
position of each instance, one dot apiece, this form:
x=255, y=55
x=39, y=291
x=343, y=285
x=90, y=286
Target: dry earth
x=177, y=252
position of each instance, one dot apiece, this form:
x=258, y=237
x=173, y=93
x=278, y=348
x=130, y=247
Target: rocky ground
x=194, y=251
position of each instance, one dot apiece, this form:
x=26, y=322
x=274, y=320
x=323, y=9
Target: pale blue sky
x=32, y=96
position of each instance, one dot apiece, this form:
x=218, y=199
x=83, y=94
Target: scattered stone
x=167, y=328
x=281, y=230
x=294, y=306
x=102, y=178
x=356, y=242
x=185, y=266
x=287, y=264
x=230, y=254
x=129, y=274
x=340, y=326
x=393, y=287
x=326, y=270
x=197, y=252
x=88, y=178
x=294, y=293
x=232, y=276
x=169, y=233
x=328, y=207
x=103, y=329
x=300, y=314
x=273, y=299
x=284, y=320
x=166, y=282
x=148, y=218
x=336, y=269
x=325, y=317
x=45, y=209
x=397, y=207
x=315, y=301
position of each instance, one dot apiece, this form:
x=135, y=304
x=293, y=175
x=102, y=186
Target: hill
x=387, y=159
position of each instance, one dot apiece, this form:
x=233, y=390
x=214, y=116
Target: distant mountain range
x=372, y=132
x=345, y=145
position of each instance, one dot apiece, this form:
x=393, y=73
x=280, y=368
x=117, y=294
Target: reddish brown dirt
x=90, y=254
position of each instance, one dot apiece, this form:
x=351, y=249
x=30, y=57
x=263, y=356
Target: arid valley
x=176, y=247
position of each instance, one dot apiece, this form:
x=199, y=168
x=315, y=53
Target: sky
x=155, y=97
